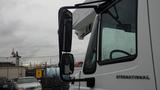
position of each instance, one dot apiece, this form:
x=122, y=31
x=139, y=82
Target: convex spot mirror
x=67, y=64
x=65, y=29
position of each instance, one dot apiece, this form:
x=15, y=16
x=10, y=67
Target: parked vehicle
x=28, y=83
x=3, y=83
x=6, y=84
x=124, y=46
x=11, y=85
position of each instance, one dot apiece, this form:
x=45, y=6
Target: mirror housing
x=66, y=64
x=65, y=29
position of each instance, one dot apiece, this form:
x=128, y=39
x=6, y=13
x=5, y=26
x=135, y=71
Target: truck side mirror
x=65, y=29
x=66, y=64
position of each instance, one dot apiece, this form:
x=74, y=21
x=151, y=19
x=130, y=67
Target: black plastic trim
x=92, y=70
x=118, y=60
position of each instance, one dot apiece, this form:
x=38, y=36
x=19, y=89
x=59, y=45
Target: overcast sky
x=30, y=26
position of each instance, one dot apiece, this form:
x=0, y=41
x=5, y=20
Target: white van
x=123, y=51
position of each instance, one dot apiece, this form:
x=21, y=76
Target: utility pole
x=16, y=55
x=17, y=58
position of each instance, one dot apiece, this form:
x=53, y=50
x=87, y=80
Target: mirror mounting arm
x=99, y=8
x=78, y=7
x=87, y=3
x=90, y=81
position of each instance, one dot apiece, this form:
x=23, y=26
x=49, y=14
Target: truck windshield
x=118, y=31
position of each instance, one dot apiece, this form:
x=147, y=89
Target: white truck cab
x=123, y=50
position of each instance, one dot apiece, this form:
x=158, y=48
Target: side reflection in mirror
x=65, y=29
x=66, y=64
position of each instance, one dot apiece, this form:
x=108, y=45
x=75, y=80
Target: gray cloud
x=30, y=26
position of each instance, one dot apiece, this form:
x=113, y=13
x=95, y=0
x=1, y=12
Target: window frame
x=94, y=34
x=121, y=59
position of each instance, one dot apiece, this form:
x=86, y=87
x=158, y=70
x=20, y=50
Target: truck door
x=123, y=50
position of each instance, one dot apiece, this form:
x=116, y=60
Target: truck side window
x=118, y=33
